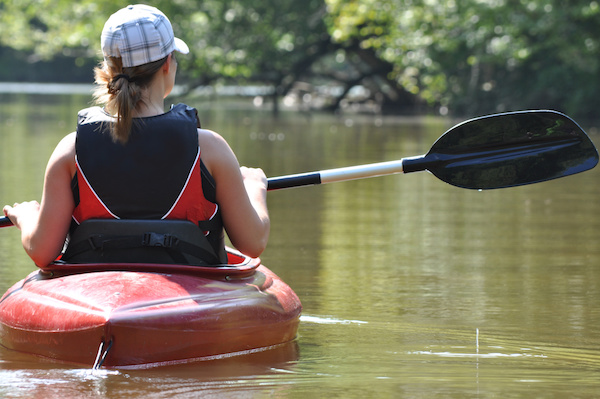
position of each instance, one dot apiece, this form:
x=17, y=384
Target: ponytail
x=120, y=91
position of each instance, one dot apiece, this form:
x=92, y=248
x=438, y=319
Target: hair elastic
x=121, y=75
x=111, y=85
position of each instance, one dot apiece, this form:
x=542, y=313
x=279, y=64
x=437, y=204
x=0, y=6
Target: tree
x=46, y=28
x=475, y=56
x=463, y=57
x=269, y=41
x=245, y=41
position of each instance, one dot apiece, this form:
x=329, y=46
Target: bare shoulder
x=215, y=150
x=66, y=146
x=210, y=138
x=64, y=153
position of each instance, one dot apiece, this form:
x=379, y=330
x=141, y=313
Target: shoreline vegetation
x=304, y=98
x=445, y=58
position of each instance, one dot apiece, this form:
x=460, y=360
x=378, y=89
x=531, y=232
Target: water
x=411, y=288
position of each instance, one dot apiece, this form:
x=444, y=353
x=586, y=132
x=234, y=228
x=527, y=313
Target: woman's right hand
x=20, y=213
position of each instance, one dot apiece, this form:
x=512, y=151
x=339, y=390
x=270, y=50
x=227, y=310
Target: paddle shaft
x=337, y=175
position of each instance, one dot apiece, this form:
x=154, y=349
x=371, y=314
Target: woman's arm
x=44, y=226
x=241, y=194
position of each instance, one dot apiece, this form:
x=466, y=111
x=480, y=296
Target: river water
x=411, y=288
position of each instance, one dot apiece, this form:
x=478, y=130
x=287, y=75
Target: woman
x=89, y=176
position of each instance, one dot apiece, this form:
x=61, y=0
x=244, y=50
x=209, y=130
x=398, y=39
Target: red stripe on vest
x=190, y=205
x=90, y=206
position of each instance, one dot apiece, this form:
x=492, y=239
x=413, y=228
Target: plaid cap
x=139, y=34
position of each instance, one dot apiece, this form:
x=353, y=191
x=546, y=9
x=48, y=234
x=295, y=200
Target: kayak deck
x=139, y=315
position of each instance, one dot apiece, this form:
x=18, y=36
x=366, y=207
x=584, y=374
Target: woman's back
x=137, y=74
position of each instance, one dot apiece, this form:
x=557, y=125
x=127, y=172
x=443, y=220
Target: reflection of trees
x=418, y=252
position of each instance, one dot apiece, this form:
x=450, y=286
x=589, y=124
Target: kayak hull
x=138, y=315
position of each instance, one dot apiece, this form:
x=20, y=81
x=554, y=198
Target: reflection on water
x=397, y=274
x=22, y=376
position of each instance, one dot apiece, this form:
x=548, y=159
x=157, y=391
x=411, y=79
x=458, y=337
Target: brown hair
x=120, y=91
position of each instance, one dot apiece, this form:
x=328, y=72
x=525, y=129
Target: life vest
x=158, y=174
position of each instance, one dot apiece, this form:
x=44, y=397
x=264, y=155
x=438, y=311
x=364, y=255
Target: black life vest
x=157, y=174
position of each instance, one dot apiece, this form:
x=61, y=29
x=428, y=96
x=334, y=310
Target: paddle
x=494, y=151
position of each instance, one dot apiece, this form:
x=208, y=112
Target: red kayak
x=133, y=315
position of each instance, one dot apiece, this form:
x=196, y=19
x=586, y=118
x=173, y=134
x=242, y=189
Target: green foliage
x=250, y=40
x=466, y=57
x=50, y=27
x=245, y=40
x=477, y=56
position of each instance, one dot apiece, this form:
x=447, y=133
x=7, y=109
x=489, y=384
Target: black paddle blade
x=507, y=150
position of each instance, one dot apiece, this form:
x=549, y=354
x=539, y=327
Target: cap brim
x=181, y=46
